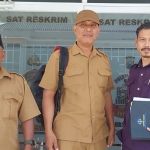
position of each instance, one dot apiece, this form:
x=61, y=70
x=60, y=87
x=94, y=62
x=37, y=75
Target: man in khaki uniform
x=86, y=117
x=16, y=101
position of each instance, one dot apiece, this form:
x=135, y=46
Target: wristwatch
x=29, y=142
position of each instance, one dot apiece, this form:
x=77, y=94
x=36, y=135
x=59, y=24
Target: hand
x=51, y=141
x=110, y=138
x=148, y=128
x=28, y=147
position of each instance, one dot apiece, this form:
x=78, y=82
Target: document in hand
x=140, y=118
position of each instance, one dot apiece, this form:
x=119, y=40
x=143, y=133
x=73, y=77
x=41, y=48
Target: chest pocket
x=130, y=81
x=73, y=76
x=103, y=76
x=147, y=82
x=10, y=105
x=146, y=88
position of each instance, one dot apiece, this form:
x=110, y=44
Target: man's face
x=86, y=32
x=2, y=54
x=143, y=43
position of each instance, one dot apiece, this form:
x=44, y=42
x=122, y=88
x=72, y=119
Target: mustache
x=145, y=49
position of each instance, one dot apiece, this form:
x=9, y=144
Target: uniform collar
x=77, y=50
x=140, y=64
x=4, y=73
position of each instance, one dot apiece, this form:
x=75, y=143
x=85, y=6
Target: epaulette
x=16, y=74
x=102, y=53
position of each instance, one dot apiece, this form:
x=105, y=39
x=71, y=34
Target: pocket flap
x=74, y=71
x=130, y=81
x=104, y=72
x=12, y=96
x=147, y=82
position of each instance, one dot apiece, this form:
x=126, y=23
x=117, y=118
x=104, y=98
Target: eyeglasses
x=84, y=25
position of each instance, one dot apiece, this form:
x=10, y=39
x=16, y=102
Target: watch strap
x=29, y=142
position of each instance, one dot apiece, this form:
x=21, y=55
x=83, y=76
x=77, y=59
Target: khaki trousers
x=69, y=145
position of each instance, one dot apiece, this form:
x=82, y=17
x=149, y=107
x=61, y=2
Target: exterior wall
x=89, y=1
x=22, y=42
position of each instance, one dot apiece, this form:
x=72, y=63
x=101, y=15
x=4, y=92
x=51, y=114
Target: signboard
x=46, y=17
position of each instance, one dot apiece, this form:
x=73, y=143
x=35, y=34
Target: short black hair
x=145, y=25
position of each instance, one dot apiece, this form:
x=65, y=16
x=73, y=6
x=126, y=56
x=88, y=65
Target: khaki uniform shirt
x=16, y=101
x=86, y=79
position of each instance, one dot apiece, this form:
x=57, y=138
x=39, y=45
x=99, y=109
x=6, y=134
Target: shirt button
x=138, y=89
x=93, y=117
x=141, y=74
